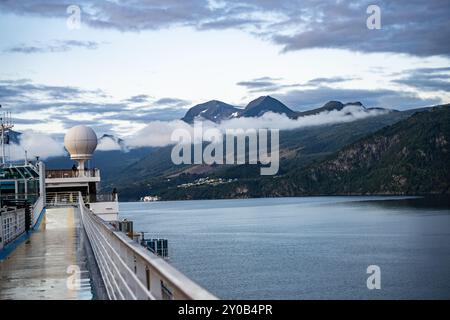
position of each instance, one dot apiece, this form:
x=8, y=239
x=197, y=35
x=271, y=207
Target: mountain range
x=218, y=111
x=311, y=158
x=408, y=157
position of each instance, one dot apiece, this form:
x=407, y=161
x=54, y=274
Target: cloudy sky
x=133, y=62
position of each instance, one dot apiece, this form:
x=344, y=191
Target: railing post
x=42, y=191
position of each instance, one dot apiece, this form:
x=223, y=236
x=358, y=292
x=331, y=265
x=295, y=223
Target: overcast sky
x=132, y=62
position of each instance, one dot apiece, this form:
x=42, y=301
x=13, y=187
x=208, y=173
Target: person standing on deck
x=74, y=171
x=114, y=194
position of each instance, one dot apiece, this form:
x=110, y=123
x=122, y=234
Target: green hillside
x=409, y=157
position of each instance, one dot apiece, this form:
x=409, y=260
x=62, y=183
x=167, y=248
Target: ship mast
x=5, y=125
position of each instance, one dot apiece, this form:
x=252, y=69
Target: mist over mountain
x=306, y=137
x=109, y=142
x=264, y=112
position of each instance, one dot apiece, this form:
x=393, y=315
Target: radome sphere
x=81, y=142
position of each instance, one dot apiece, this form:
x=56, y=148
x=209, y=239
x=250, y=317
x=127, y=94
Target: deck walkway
x=41, y=267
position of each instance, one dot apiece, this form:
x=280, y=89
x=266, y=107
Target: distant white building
x=150, y=198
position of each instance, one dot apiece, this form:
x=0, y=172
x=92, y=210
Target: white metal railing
x=55, y=199
x=69, y=173
x=13, y=217
x=131, y=272
x=12, y=224
x=106, y=197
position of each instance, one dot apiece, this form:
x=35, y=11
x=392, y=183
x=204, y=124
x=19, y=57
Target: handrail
x=62, y=198
x=104, y=197
x=71, y=173
x=129, y=271
x=12, y=225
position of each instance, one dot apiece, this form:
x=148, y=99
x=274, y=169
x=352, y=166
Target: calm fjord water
x=305, y=248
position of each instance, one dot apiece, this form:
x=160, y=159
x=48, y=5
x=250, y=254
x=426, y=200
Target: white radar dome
x=81, y=142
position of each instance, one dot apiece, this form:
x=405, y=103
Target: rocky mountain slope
x=214, y=110
x=261, y=105
x=409, y=157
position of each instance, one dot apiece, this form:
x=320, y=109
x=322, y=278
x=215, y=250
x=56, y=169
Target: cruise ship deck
x=42, y=267
x=80, y=249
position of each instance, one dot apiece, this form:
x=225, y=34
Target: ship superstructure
x=81, y=249
x=21, y=201
x=22, y=193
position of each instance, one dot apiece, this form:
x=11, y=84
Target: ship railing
x=18, y=214
x=12, y=224
x=129, y=271
x=104, y=197
x=30, y=197
x=58, y=199
x=71, y=173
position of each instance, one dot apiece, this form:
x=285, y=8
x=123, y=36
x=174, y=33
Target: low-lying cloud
x=108, y=144
x=36, y=144
x=158, y=133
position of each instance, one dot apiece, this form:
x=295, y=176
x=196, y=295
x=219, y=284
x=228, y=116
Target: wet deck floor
x=44, y=266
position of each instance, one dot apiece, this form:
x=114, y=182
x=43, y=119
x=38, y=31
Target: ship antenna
x=5, y=125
